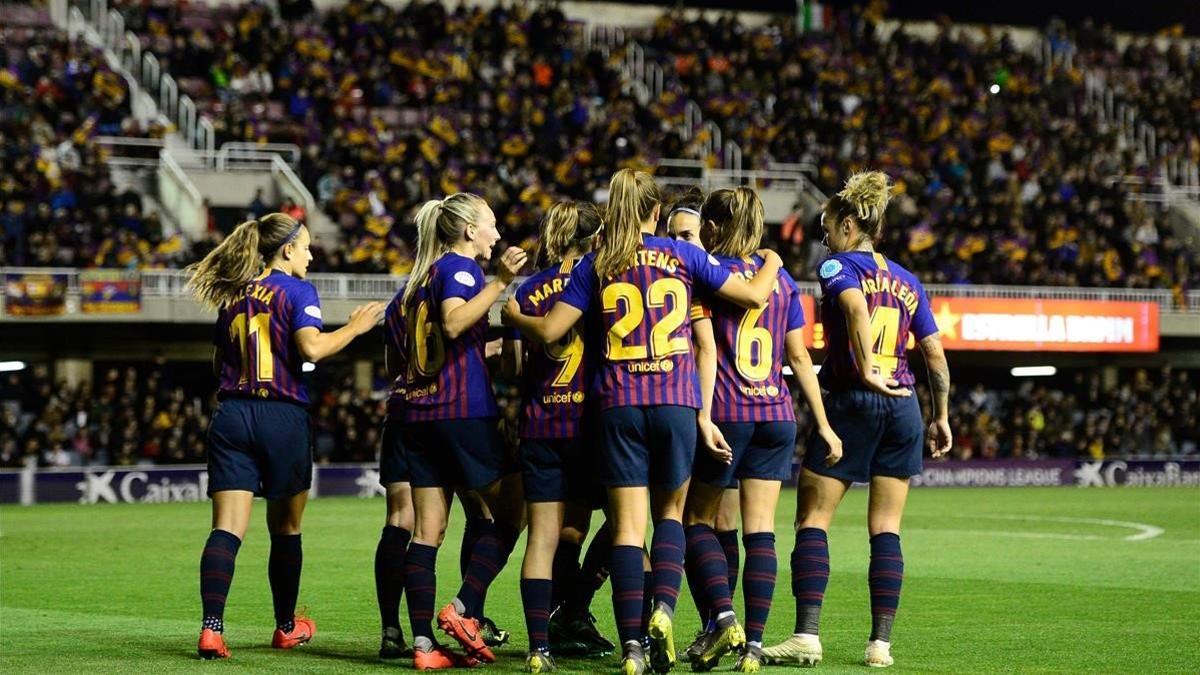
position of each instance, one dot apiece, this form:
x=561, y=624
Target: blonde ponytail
x=221, y=277
x=632, y=196
x=440, y=223
x=738, y=216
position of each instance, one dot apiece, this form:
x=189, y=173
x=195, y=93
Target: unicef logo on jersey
x=830, y=268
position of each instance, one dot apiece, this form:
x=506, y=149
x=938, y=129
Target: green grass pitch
x=996, y=580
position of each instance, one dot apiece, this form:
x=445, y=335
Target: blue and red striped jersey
x=644, y=312
x=751, y=349
x=554, y=374
x=897, y=304
x=259, y=358
x=394, y=329
x=447, y=379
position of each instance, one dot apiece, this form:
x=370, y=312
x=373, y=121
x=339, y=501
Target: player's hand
x=714, y=441
x=885, y=385
x=510, y=310
x=365, y=317
x=768, y=255
x=511, y=263
x=833, y=443
x=493, y=348
x=940, y=438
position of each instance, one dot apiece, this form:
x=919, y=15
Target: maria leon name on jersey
x=885, y=283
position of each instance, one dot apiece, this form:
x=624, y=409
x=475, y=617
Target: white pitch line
x=1144, y=531
x=1012, y=533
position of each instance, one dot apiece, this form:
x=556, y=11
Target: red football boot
x=441, y=658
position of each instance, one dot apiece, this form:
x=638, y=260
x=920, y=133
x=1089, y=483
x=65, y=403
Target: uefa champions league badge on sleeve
x=464, y=277
x=830, y=268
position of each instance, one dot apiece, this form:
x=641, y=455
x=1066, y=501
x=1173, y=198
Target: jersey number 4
x=885, y=335
x=623, y=295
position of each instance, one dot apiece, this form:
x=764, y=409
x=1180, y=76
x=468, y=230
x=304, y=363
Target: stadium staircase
x=183, y=175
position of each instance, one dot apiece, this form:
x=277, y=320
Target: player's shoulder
x=837, y=264
x=533, y=281
x=290, y=285
x=688, y=253
x=458, y=267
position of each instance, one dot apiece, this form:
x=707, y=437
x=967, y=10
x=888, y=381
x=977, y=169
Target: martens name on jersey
x=565, y=397
x=660, y=259
x=885, y=283
x=261, y=293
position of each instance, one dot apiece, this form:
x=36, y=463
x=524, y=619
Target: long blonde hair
x=738, y=215
x=221, y=277
x=440, y=223
x=864, y=198
x=567, y=225
x=632, y=197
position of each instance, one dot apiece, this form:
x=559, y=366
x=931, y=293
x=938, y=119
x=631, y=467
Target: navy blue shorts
x=393, y=453
x=761, y=450
x=881, y=436
x=647, y=446
x=450, y=453
x=263, y=446
x=558, y=470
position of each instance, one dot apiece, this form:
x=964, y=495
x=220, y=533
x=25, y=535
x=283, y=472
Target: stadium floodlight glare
x=11, y=366
x=787, y=370
x=1034, y=371
x=308, y=366
x=995, y=89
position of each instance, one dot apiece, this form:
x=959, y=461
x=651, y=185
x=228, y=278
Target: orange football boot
x=212, y=645
x=441, y=658
x=302, y=632
x=467, y=631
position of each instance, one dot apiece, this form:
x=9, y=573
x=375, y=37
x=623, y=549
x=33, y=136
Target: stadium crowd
x=147, y=414
x=395, y=104
x=58, y=205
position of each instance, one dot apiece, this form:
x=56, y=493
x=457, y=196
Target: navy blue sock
x=470, y=536
x=810, y=576
x=508, y=536
x=283, y=570
x=565, y=574
x=884, y=577
x=485, y=564
x=389, y=573
x=759, y=585
x=695, y=582
x=711, y=568
x=420, y=584
x=647, y=599
x=535, y=596
x=666, y=559
x=729, y=542
x=216, y=574
x=628, y=588
x=592, y=573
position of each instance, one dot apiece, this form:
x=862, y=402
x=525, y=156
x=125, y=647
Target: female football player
x=451, y=415
x=752, y=409
x=870, y=306
x=556, y=469
x=683, y=223
x=268, y=324
x=639, y=287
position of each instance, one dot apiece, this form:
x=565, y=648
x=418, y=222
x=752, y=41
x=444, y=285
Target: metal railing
x=170, y=283
x=130, y=152
x=141, y=69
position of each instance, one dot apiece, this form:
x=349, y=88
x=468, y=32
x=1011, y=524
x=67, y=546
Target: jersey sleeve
x=836, y=276
x=582, y=287
x=923, y=324
x=708, y=272
x=460, y=278
x=305, y=307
